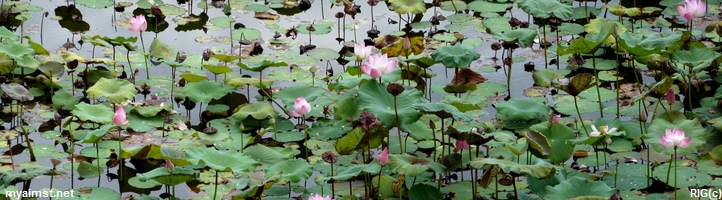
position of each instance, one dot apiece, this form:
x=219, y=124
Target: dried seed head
x=372, y=2
x=55, y=162
x=210, y=130
x=339, y=15
x=395, y=89
x=496, y=46
x=329, y=157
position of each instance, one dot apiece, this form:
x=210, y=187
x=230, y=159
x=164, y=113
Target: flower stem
x=675, y=172
x=215, y=190
x=576, y=105
x=669, y=169
x=398, y=127
x=147, y=66
x=596, y=77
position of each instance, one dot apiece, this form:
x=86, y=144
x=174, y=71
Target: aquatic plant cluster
x=633, y=113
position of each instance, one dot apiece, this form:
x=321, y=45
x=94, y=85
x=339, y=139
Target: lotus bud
x=169, y=166
x=670, y=97
x=432, y=125
x=643, y=117
x=395, y=89
x=384, y=157
x=329, y=157
x=407, y=43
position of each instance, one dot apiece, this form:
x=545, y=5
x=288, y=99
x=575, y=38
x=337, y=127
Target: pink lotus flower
x=670, y=97
x=603, y=130
x=376, y=66
x=384, y=157
x=301, y=107
x=674, y=138
x=407, y=43
x=555, y=119
x=692, y=9
x=119, y=117
x=361, y=51
x=169, y=166
x=319, y=197
x=461, y=144
x=138, y=23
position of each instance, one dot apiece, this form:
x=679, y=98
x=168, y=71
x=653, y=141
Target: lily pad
x=205, y=91
x=579, y=187
x=292, y=170
x=456, y=56
x=17, y=92
x=115, y=90
x=376, y=100
x=322, y=54
x=220, y=161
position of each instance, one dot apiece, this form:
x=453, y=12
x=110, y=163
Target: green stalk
x=675, y=172
x=398, y=127
x=669, y=169
x=215, y=190
x=598, y=84
x=305, y=133
x=147, y=66
x=580, y=114
x=544, y=41
x=97, y=158
x=616, y=39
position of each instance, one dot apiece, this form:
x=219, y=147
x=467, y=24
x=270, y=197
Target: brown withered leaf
x=466, y=76
x=576, y=59
x=265, y=16
x=489, y=176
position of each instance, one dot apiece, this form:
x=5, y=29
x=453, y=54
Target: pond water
x=209, y=29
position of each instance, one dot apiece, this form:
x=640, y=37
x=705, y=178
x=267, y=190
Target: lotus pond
x=334, y=99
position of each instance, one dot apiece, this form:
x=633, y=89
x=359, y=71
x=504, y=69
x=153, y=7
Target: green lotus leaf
x=256, y=7
x=557, y=137
x=42, y=150
x=408, y=6
x=150, y=111
x=259, y=111
x=413, y=166
x=686, y=176
x=538, y=186
x=39, y=49
x=456, y=56
x=150, y=183
x=453, y=6
x=633, y=175
x=95, y=3
x=225, y=58
x=193, y=77
x=93, y=193
x=16, y=50
x=268, y=155
x=96, y=40
x=257, y=67
x=538, y=142
x=320, y=29
x=160, y=50
x=115, y=90
x=218, y=69
x=544, y=77
x=353, y=171
x=246, y=33
x=242, y=82
x=169, y=9
x=634, y=45
x=222, y=21
x=523, y=36
x=322, y=54
x=358, y=140
x=95, y=113
x=565, y=105
x=493, y=25
x=25, y=173
x=374, y=98
x=205, y=91
x=424, y=192
x=6, y=64
x=292, y=170
x=579, y=187
x=6, y=33
x=27, y=62
x=488, y=7
x=577, y=84
x=544, y=8
x=442, y=110
x=691, y=128
x=537, y=171
x=88, y=170
x=17, y=92
x=221, y=161
x=522, y=113
x=605, y=94
x=695, y=56
x=52, y=69
x=97, y=134
x=161, y=175
x=289, y=95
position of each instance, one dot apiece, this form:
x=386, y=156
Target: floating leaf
x=537, y=171
x=205, y=91
x=544, y=8
x=456, y=56
x=96, y=113
x=292, y=170
x=95, y=3
x=178, y=176
x=412, y=166
x=579, y=187
x=522, y=113
x=322, y=54
x=115, y=90
x=523, y=36
x=220, y=161
x=408, y=6
x=376, y=100
x=17, y=92
x=259, y=111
